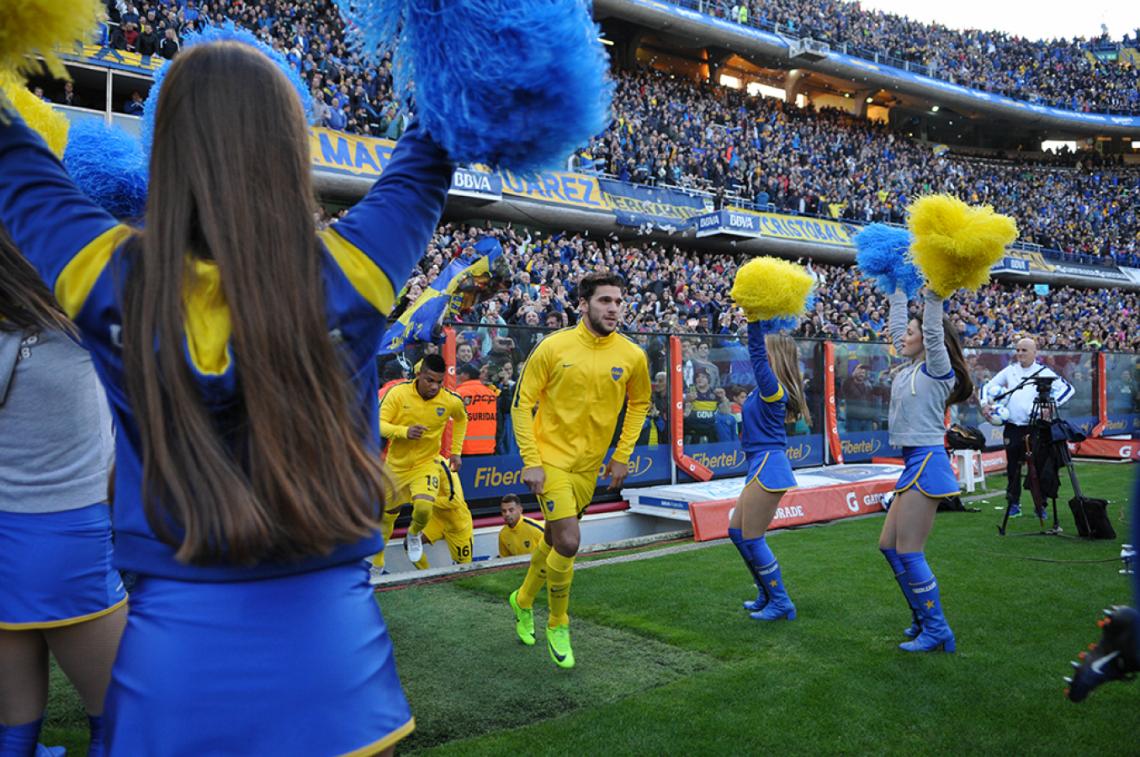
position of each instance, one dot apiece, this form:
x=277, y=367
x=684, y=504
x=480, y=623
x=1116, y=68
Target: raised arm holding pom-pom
x=921, y=390
x=236, y=348
x=773, y=293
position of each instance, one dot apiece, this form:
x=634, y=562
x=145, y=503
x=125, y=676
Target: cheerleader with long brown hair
x=777, y=400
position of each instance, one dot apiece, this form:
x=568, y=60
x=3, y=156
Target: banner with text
x=355, y=155
x=754, y=224
x=636, y=205
x=728, y=459
x=487, y=476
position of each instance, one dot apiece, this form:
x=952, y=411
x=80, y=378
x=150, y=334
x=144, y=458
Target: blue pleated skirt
x=772, y=470
x=928, y=468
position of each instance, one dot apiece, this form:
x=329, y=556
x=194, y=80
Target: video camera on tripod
x=1047, y=451
x=1044, y=398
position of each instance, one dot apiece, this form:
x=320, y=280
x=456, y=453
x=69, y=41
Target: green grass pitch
x=669, y=663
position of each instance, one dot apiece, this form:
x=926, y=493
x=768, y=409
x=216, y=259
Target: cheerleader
x=935, y=378
x=59, y=594
x=236, y=346
x=777, y=399
x=947, y=245
x=771, y=292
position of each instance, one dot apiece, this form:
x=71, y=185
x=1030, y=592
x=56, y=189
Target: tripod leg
x=1067, y=459
x=1039, y=502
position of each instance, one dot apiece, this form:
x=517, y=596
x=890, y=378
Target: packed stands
x=677, y=291
x=1063, y=73
x=828, y=163
x=753, y=150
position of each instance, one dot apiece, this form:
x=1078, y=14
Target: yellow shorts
x=566, y=494
x=453, y=524
x=450, y=517
x=421, y=482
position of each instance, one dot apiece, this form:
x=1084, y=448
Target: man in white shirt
x=1007, y=387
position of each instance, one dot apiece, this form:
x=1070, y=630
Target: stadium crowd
x=673, y=131
x=1062, y=73
x=677, y=291
x=347, y=94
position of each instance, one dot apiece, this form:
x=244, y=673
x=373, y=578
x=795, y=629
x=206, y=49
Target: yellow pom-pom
x=37, y=114
x=44, y=27
x=770, y=288
x=955, y=245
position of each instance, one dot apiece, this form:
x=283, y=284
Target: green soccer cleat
x=524, y=620
x=558, y=644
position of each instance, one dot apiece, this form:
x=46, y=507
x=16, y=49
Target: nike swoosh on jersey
x=1098, y=666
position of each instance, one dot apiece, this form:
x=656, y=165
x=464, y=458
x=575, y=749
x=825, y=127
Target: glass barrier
x=1123, y=374
x=863, y=399
x=717, y=377
x=1078, y=368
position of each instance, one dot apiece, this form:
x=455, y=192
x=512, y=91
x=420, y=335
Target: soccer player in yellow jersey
x=519, y=535
x=413, y=416
x=450, y=518
x=578, y=378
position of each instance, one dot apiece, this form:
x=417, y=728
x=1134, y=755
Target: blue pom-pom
x=883, y=255
x=517, y=84
x=109, y=165
x=776, y=325
x=227, y=32
x=788, y=323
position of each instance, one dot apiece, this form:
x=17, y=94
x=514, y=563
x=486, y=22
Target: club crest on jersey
x=440, y=411
x=616, y=372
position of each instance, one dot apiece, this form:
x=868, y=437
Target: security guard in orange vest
x=482, y=403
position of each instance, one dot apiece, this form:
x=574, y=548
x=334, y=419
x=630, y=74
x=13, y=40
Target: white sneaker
x=414, y=543
x=374, y=574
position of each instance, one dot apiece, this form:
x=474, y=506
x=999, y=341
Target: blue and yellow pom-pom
x=955, y=245
x=771, y=289
x=44, y=28
x=37, y=114
x=883, y=255
x=517, y=84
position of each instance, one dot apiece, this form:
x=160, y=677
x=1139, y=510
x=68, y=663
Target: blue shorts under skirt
x=295, y=665
x=55, y=568
x=771, y=470
x=928, y=468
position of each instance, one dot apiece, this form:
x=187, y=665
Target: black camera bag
x=1091, y=517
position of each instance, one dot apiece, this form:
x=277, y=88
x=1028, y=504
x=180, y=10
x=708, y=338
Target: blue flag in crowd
x=441, y=297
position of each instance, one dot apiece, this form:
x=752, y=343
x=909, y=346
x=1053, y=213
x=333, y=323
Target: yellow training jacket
x=579, y=381
x=403, y=407
x=522, y=539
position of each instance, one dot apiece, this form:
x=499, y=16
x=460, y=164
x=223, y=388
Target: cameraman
x=1016, y=386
